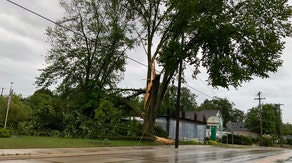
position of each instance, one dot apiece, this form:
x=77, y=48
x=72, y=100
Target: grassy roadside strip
x=22, y=142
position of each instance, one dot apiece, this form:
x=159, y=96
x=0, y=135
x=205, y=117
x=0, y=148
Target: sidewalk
x=10, y=154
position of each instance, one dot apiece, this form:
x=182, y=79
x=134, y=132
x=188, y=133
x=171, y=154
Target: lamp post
x=8, y=104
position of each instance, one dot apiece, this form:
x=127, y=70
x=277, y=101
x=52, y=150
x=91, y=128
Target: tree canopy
x=188, y=100
x=226, y=108
x=269, y=119
x=19, y=111
x=233, y=40
x=88, y=49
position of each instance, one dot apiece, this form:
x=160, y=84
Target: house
x=238, y=128
x=213, y=118
x=193, y=124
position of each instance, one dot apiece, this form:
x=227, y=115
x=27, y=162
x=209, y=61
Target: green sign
x=213, y=132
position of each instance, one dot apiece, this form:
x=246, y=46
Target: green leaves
x=107, y=113
x=19, y=111
x=226, y=108
x=269, y=119
x=93, y=56
x=188, y=100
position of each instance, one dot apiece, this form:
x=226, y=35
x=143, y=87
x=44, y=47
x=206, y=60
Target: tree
x=233, y=40
x=47, y=111
x=226, y=108
x=19, y=111
x=269, y=119
x=287, y=129
x=88, y=51
x=108, y=116
x=188, y=100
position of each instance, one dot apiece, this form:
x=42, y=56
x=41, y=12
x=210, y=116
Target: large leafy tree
x=226, y=108
x=18, y=112
x=88, y=51
x=269, y=119
x=287, y=129
x=47, y=111
x=234, y=41
x=188, y=101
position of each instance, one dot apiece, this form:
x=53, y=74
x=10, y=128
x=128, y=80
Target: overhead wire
x=73, y=31
x=203, y=82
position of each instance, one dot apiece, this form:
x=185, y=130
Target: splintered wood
x=164, y=140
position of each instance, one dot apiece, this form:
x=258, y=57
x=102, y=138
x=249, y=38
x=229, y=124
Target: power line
x=43, y=17
x=58, y=24
x=203, y=82
x=138, y=62
x=198, y=90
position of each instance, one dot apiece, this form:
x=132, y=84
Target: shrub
x=238, y=139
x=25, y=128
x=289, y=141
x=212, y=142
x=189, y=142
x=267, y=141
x=5, y=133
x=159, y=131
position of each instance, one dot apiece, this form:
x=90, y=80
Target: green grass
x=18, y=142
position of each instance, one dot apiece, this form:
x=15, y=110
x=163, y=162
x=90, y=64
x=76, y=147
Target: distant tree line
x=47, y=114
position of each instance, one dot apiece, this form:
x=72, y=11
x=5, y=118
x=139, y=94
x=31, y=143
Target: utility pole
x=178, y=98
x=178, y=106
x=261, y=115
x=2, y=91
x=279, y=123
x=8, y=104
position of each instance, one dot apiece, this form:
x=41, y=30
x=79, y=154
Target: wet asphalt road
x=167, y=154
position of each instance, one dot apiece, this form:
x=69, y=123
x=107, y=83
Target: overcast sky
x=23, y=47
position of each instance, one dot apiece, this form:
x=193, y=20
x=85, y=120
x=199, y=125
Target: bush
x=289, y=141
x=130, y=128
x=212, y=142
x=189, y=142
x=159, y=131
x=267, y=141
x=5, y=133
x=25, y=128
x=238, y=139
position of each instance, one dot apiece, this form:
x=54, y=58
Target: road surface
x=159, y=154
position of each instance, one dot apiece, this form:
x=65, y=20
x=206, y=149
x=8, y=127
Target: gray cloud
x=23, y=47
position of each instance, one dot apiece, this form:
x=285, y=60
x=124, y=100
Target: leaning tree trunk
x=150, y=105
x=153, y=99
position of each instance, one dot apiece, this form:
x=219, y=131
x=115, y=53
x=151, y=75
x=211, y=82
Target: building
x=238, y=128
x=210, y=115
x=188, y=128
x=193, y=124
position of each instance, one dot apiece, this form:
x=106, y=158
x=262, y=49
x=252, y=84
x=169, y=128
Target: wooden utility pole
x=279, y=123
x=8, y=104
x=178, y=97
x=261, y=115
x=178, y=106
x=2, y=91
